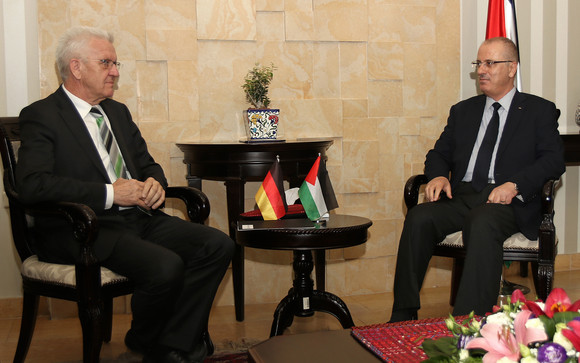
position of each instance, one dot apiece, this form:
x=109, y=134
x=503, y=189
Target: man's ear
x=513, y=69
x=75, y=68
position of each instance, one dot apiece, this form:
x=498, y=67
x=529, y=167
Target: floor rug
x=232, y=351
x=228, y=358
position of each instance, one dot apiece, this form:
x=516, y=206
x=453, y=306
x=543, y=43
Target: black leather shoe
x=166, y=355
x=208, y=343
x=133, y=342
x=199, y=352
x=403, y=315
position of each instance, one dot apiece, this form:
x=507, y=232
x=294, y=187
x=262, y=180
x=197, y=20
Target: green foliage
x=256, y=85
x=442, y=347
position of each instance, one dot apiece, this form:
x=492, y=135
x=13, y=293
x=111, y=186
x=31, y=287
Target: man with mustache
x=485, y=174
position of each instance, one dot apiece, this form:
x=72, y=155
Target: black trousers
x=177, y=267
x=485, y=227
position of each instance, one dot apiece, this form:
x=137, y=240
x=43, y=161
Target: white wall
x=19, y=86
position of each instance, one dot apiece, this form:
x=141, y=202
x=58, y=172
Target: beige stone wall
x=378, y=76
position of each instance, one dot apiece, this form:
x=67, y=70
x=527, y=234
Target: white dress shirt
x=503, y=111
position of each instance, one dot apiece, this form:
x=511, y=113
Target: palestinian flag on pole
x=316, y=193
x=501, y=22
x=270, y=197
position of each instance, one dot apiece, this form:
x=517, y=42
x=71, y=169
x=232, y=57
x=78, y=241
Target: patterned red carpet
x=228, y=358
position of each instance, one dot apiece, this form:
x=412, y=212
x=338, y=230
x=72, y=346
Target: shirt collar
x=505, y=101
x=82, y=106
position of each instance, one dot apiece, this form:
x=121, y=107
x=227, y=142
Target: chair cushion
x=61, y=274
x=516, y=242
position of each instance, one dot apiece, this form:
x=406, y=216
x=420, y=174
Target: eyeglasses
x=107, y=63
x=488, y=63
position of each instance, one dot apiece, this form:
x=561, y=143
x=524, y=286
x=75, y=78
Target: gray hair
x=72, y=44
x=510, y=48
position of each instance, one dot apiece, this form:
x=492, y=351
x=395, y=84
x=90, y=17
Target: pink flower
x=518, y=296
x=573, y=334
x=525, y=335
x=557, y=301
x=500, y=342
x=497, y=341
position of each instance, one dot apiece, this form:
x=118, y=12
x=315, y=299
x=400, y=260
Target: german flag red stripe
x=270, y=197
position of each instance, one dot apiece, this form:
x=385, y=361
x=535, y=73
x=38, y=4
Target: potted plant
x=261, y=121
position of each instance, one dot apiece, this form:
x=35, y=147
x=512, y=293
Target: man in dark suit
x=487, y=200
x=67, y=155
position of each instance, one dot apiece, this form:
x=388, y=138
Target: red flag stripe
x=274, y=195
x=495, y=19
x=313, y=173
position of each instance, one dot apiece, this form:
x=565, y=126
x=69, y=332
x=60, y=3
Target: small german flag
x=270, y=197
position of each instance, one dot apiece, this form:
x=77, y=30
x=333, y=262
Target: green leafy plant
x=256, y=85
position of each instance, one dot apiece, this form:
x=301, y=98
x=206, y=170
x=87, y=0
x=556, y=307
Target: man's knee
x=486, y=219
x=222, y=245
x=168, y=271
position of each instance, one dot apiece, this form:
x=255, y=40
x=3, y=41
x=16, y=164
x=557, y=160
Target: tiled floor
x=60, y=340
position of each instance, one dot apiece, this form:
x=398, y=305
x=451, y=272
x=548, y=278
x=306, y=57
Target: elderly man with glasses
x=79, y=145
x=485, y=174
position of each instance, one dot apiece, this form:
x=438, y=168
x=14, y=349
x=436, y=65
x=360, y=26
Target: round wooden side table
x=303, y=236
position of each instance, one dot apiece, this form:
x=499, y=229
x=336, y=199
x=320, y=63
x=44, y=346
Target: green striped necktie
x=110, y=144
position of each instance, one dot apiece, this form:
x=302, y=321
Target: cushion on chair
x=516, y=241
x=61, y=274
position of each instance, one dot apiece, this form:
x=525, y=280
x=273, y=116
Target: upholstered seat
x=516, y=242
x=55, y=273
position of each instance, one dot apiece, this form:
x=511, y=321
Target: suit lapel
x=76, y=125
x=513, y=120
x=472, y=125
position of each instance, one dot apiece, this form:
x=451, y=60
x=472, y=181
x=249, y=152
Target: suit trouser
x=485, y=227
x=177, y=267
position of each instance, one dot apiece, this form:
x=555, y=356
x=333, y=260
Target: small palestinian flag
x=316, y=193
x=270, y=197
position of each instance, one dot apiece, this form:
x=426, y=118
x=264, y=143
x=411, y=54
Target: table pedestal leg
x=235, y=198
x=303, y=300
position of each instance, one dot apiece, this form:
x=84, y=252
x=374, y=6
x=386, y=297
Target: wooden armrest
x=412, y=187
x=548, y=196
x=547, y=241
x=196, y=202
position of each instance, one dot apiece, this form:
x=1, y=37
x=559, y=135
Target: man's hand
x=503, y=194
x=148, y=195
x=436, y=186
x=153, y=194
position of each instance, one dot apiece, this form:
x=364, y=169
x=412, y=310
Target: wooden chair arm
x=196, y=202
x=412, y=186
x=547, y=241
x=548, y=196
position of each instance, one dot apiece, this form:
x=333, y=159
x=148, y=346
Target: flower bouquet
x=519, y=331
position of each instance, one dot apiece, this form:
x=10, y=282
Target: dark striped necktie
x=110, y=144
x=483, y=162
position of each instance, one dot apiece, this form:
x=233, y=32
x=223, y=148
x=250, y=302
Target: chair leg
x=543, y=275
x=455, y=278
x=107, y=319
x=27, y=324
x=524, y=268
x=91, y=316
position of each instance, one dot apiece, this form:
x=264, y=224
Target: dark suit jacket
x=58, y=161
x=530, y=151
